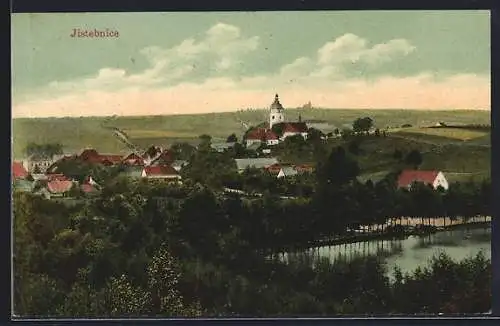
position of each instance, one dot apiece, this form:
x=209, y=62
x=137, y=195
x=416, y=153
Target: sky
x=183, y=63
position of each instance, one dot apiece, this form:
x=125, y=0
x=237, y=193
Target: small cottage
x=434, y=178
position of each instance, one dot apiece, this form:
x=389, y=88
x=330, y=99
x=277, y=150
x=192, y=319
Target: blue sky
x=163, y=63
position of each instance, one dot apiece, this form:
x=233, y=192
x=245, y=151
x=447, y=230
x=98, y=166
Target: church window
x=273, y=117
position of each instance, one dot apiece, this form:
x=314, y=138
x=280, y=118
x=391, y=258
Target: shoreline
x=385, y=236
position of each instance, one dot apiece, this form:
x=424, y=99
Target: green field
x=77, y=133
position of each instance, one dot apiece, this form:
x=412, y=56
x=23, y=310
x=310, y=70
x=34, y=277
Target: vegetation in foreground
x=146, y=249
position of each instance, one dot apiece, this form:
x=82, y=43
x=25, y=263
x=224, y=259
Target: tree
x=314, y=135
x=398, y=155
x=205, y=141
x=361, y=125
x=232, y=138
x=183, y=151
x=414, y=158
x=339, y=168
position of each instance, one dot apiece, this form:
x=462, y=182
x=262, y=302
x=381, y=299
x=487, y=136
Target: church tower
x=276, y=113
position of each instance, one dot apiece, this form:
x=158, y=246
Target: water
x=414, y=251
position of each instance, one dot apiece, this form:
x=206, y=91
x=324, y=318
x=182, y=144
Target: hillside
x=77, y=133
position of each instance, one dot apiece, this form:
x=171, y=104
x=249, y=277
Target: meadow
x=77, y=133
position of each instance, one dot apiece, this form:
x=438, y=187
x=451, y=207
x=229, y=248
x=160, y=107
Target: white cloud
x=319, y=78
x=351, y=48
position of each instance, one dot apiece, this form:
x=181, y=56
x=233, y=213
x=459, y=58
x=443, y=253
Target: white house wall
x=440, y=181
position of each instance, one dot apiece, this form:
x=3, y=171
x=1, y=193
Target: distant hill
x=76, y=133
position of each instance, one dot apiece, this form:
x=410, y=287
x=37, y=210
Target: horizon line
x=247, y=110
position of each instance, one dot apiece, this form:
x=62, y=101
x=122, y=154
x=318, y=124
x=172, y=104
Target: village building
x=287, y=171
x=38, y=163
x=259, y=163
x=261, y=136
x=164, y=172
x=60, y=188
x=276, y=112
x=434, y=178
x=90, y=155
x=18, y=170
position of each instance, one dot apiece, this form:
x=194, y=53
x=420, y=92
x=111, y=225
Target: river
x=413, y=251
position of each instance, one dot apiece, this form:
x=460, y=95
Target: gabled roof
x=295, y=127
x=288, y=171
x=407, y=177
x=59, y=186
x=18, y=170
x=256, y=134
x=132, y=156
x=162, y=170
x=261, y=134
x=88, y=153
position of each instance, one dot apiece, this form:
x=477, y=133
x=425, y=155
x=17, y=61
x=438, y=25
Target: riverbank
x=406, y=231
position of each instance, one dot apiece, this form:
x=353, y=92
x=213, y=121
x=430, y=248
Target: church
x=278, y=128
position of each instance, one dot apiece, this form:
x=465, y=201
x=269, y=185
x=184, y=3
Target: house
x=90, y=155
x=434, y=178
x=304, y=168
x=163, y=172
x=258, y=163
x=39, y=163
x=133, y=159
x=59, y=188
x=222, y=147
x=18, y=170
x=293, y=129
x=287, y=171
x=261, y=135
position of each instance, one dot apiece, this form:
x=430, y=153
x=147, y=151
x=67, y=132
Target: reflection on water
x=412, y=252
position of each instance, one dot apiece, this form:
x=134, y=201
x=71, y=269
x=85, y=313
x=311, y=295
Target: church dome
x=276, y=104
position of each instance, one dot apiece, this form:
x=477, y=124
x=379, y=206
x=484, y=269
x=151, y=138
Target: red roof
x=59, y=186
x=261, y=134
x=304, y=168
x=407, y=177
x=295, y=127
x=18, y=170
x=271, y=135
x=56, y=176
x=162, y=170
x=89, y=153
